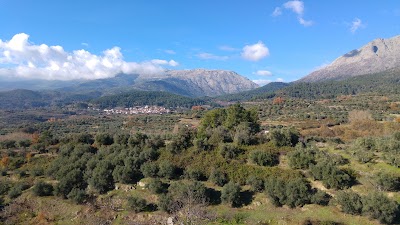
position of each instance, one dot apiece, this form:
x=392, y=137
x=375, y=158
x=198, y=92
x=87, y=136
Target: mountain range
x=377, y=56
x=191, y=83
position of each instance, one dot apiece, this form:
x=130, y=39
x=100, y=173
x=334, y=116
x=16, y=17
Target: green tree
x=379, y=206
x=350, y=202
x=43, y=189
x=263, y=158
x=137, y=204
x=102, y=179
x=230, y=194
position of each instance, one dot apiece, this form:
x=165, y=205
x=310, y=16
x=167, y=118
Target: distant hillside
x=377, y=56
x=264, y=92
x=140, y=98
x=192, y=83
x=384, y=83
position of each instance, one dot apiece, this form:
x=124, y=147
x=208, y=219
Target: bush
x=166, y=170
x=102, y=178
x=43, y=189
x=257, y=184
x=165, y=203
x=231, y=194
x=17, y=190
x=4, y=187
x=263, y=158
x=156, y=186
x=284, y=137
x=331, y=176
x=350, y=201
x=228, y=151
x=104, y=139
x=194, y=174
x=218, y=177
x=387, y=182
x=149, y=169
x=137, y=204
x=77, y=195
x=302, y=158
x=293, y=192
x=37, y=172
x=380, y=207
x=320, y=198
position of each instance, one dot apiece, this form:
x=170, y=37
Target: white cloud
x=305, y=23
x=297, y=7
x=355, y=25
x=227, y=48
x=255, y=52
x=169, y=51
x=20, y=58
x=263, y=73
x=277, y=12
x=164, y=62
x=85, y=44
x=206, y=55
x=262, y=82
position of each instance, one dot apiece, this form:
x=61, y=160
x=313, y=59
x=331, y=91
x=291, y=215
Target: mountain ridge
x=376, y=56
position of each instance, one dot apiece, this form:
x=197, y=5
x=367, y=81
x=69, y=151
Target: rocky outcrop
x=377, y=56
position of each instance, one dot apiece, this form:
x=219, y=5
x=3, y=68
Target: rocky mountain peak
x=376, y=56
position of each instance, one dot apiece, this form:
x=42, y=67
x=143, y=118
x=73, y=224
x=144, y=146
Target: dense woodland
x=303, y=154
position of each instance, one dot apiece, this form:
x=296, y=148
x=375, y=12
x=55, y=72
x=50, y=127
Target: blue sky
x=264, y=40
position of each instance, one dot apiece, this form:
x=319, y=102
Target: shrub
x=104, y=139
x=149, y=169
x=293, y=192
x=302, y=158
x=137, y=204
x=166, y=170
x=331, y=176
x=257, y=184
x=165, y=203
x=194, y=174
x=350, y=201
x=380, y=207
x=17, y=190
x=263, y=158
x=37, y=172
x=77, y=195
x=320, y=198
x=230, y=194
x=228, y=151
x=387, y=182
x=102, y=179
x=43, y=189
x=156, y=186
x=218, y=177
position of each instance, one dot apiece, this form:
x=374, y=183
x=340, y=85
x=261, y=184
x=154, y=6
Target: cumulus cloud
x=355, y=25
x=206, y=55
x=255, y=52
x=297, y=7
x=277, y=12
x=165, y=62
x=263, y=82
x=263, y=73
x=20, y=58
